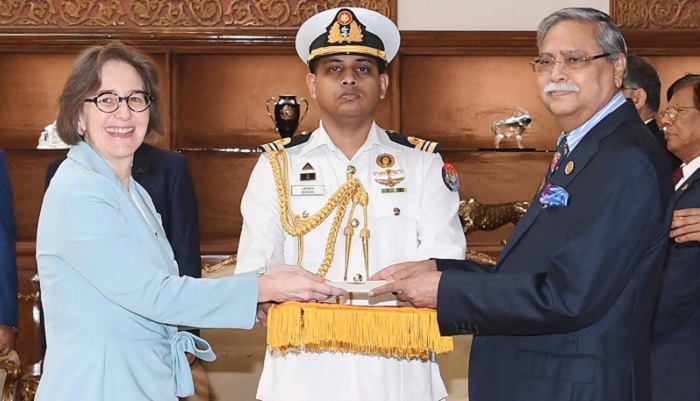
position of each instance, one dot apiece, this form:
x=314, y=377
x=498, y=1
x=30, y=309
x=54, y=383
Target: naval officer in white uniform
x=411, y=213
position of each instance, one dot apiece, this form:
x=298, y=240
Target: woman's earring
x=81, y=132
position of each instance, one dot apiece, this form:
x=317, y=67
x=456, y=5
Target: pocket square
x=553, y=195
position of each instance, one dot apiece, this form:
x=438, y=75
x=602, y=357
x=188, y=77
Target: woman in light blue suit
x=110, y=287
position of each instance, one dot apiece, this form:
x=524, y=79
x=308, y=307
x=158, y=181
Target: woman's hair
x=85, y=79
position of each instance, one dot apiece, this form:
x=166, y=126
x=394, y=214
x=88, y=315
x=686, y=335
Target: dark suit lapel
x=577, y=160
x=142, y=163
x=687, y=184
x=653, y=126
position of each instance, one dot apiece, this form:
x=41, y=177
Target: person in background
x=8, y=262
x=411, y=212
x=642, y=85
x=566, y=312
x=675, y=342
x=111, y=292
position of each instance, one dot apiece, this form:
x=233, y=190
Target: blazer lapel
x=142, y=163
x=687, y=184
x=577, y=160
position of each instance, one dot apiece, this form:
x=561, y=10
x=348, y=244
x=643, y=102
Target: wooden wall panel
x=31, y=83
x=220, y=179
x=225, y=105
x=672, y=68
x=27, y=173
x=455, y=99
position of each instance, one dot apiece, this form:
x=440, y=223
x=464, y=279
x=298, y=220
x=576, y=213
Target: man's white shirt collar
x=321, y=138
x=576, y=135
x=688, y=170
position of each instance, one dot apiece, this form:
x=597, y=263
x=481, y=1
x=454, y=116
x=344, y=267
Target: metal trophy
x=514, y=125
x=287, y=113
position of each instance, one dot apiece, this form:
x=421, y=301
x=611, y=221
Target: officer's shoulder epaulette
x=413, y=142
x=285, y=143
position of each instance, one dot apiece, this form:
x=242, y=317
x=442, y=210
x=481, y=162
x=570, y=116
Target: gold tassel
x=391, y=331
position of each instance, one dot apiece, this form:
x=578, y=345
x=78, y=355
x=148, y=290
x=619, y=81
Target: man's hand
x=685, y=226
x=401, y=271
x=420, y=290
x=7, y=339
x=414, y=282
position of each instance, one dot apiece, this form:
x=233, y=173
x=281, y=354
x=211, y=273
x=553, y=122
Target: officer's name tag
x=302, y=190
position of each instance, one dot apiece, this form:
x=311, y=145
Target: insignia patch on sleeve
x=450, y=177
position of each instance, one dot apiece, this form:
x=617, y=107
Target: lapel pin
x=569, y=167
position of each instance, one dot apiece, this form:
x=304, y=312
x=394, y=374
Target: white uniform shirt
x=416, y=224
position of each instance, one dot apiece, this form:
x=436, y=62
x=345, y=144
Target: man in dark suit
x=8, y=262
x=566, y=312
x=642, y=85
x=167, y=180
x=675, y=342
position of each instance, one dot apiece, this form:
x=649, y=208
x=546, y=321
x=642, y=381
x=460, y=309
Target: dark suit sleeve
x=444, y=265
x=183, y=232
x=679, y=297
x=567, y=275
x=8, y=261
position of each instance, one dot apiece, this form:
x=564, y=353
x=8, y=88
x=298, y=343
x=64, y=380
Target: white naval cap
x=348, y=30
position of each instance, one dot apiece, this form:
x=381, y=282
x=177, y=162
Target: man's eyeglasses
x=545, y=65
x=109, y=102
x=673, y=111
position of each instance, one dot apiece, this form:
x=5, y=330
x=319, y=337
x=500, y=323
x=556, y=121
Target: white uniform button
x=355, y=223
x=397, y=211
x=350, y=170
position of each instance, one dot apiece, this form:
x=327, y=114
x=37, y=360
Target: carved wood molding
x=281, y=41
x=656, y=14
x=173, y=13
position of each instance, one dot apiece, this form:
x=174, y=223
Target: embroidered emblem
x=307, y=173
x=385, y=160
x=345, y=30
x=450, y=177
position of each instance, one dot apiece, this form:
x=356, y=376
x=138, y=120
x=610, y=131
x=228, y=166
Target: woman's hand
x=293, y=283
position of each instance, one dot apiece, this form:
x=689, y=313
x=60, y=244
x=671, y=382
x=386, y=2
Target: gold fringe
x=391, y=331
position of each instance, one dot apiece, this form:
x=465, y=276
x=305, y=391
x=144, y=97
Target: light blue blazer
x=112, y=295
